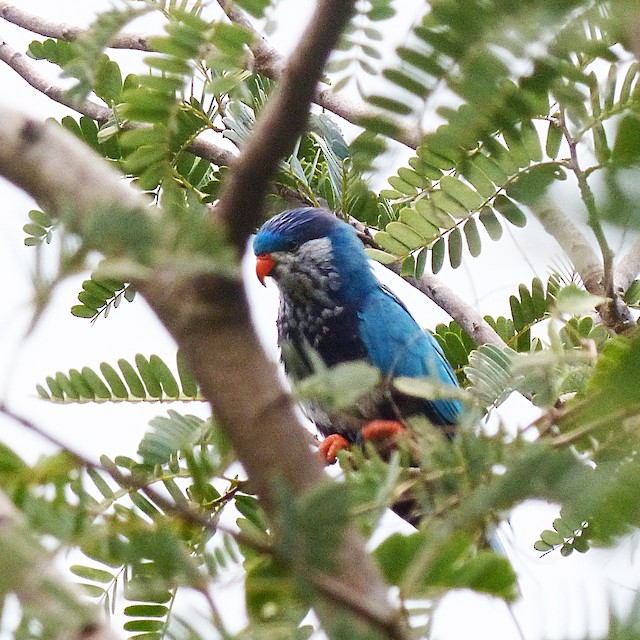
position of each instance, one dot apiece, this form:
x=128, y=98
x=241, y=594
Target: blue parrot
x=332, y=304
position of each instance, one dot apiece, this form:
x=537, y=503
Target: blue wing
x=398, y=346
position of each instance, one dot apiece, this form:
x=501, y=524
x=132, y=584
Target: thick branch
x=574, y=243
x=209, y=318
x=464, y=314
x=281, y=123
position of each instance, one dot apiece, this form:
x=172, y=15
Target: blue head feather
x=290, y=229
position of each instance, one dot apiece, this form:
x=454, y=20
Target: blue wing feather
x=398, y=346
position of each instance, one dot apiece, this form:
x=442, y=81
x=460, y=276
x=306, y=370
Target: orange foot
x=330, y=446
x=382, y=429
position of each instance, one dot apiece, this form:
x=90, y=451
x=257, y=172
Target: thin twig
x=593, y=219
x=100, y=113
x=60, y=31
x=183, y=512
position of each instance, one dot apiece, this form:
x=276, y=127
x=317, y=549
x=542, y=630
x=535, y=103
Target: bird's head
x=307, y=247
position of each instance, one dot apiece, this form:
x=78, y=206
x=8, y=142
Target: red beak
x=264, y=265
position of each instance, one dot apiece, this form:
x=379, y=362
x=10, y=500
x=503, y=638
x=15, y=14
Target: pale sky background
x=562, y=597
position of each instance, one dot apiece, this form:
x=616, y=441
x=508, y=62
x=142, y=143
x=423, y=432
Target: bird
x=333, y=307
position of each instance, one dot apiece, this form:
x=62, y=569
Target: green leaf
x=81, y=311
x=389, y=104
x=445, y=202
x=473, y=237
x=491, y=223
x=554, y=139
x=405, y=235
x=188, y=382
x=552, y=538
x=455, y=248
x=256, y=8
x=413, y=178
x=464, y=194
x=339, y=387
x=163, y=374
x=626, y=149
x=491, y=169
x=96, y=385
x=437, y=255
x=428, y=389
x=533, y=184
x=421, y=225
x=148, y=376
x=114, y=381
x=108, y=82
x=516, y=147
x=403, y=187
x=406, y=81
x=90, y=573
x=531, y=141
x=146, y=610
x=510, y=211
x=433, y=215
x=391, y=244
x=380, y=256
x=132, y=379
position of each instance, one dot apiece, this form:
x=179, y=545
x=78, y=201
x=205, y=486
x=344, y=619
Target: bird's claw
x=382, y=429
x=329, y=447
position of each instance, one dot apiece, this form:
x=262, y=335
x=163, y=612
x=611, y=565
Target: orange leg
x=330, y=446
x=382, y=429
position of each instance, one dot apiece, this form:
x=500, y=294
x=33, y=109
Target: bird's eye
x=292, y=246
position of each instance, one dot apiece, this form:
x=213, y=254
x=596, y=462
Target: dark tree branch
x=282, y=121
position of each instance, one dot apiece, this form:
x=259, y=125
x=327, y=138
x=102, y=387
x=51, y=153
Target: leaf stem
x=593, y=218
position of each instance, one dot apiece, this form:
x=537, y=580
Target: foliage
x=529, y=94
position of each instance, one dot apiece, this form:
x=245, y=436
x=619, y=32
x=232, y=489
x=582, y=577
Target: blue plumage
x=332, y=303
